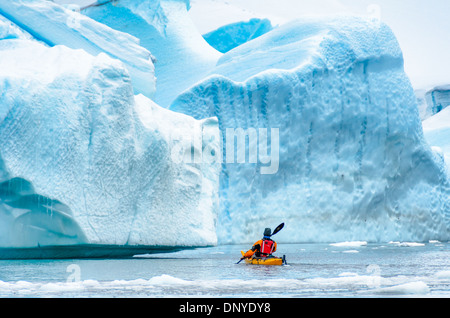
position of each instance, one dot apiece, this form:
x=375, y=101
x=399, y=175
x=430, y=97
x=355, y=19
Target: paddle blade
x=278, y=229
x=242, y=258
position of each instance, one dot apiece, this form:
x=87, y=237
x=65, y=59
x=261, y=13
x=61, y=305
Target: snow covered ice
x=93, y=103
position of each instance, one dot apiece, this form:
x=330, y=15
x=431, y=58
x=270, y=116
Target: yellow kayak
x=265, y=260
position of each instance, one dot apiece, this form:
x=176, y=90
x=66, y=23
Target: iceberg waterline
x=84, y=159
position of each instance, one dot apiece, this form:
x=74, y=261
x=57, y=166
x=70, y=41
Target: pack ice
x=353, y=162
x=83, y=160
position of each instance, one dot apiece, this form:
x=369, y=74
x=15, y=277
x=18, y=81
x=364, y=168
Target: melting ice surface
x=344, y=269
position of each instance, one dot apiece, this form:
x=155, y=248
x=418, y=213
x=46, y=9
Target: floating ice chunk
x=350, y=244
x=413, y=288
x=443, y=274
x=407, y=244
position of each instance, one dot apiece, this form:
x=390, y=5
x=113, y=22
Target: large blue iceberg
x=353, y=162
x=84, y=160
x=118, y=128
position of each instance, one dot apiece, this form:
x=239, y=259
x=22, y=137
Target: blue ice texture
x=96, y=106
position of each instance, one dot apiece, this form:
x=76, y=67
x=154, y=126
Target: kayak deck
x=271, y=260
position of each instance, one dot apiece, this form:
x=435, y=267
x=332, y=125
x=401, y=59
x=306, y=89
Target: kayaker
x=264, y=247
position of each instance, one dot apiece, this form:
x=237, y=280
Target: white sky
x=422, y=27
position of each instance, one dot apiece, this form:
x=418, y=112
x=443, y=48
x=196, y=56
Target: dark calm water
x=313, y=270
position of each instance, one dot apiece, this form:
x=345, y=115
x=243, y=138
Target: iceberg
x=85, y=161
x=52, y=24
x=438, y=98
x=229, y=36
x=353, y=161
x=432, y=100
x=437, y=133
x=424, y=110
x=164, y=28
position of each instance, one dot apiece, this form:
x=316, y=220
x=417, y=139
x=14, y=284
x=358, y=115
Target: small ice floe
x=350, y=244
x=407, y=244
x=413, y=288
x=443, y=275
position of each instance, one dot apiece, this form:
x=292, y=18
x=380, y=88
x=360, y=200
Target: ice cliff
x=353, y=161
x=83, y=159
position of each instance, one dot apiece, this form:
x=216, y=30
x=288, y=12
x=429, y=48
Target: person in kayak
x=264, y=247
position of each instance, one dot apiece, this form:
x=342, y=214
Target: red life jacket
x=267, y=247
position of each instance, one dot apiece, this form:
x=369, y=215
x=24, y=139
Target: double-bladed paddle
x=277, y=229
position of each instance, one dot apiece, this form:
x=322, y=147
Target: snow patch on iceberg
x=353, y=162
x=55, y=25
